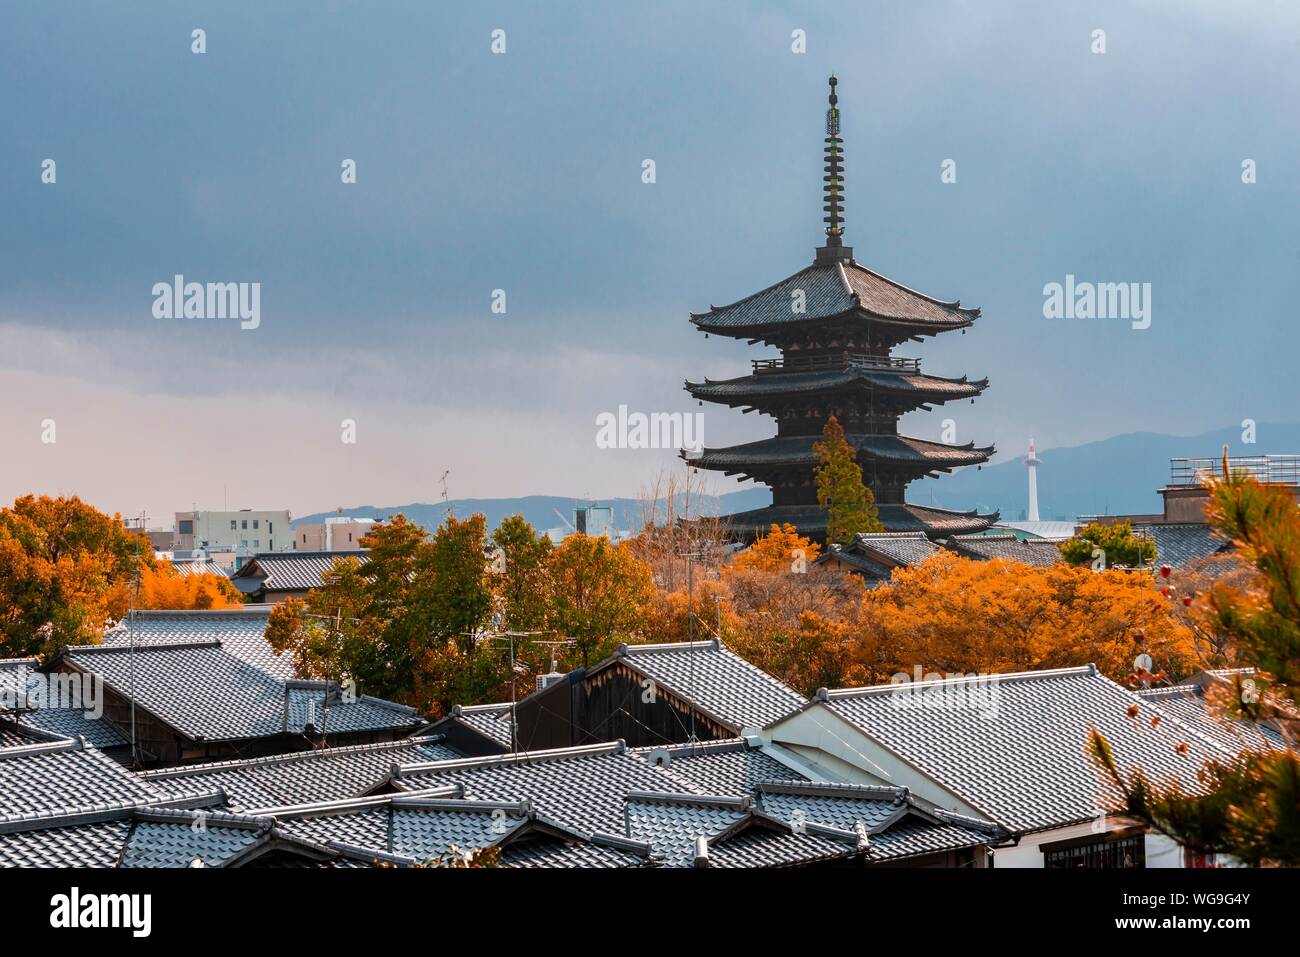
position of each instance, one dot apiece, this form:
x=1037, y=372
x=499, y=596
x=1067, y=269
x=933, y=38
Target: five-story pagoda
x=836, y=324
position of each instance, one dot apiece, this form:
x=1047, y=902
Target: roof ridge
x=152, y=646
x=953, y=304
x=247, y=611
x=737, y=802
x=44, y=747
x=321, y=754
x=824, y=694
x=514, y=757
x=713, y=644
x=835, y=789
x=347, y=805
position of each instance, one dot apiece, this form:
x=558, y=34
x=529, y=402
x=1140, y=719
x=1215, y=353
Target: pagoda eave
x=935, y=523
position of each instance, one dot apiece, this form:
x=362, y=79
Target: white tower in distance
x=1031, y=461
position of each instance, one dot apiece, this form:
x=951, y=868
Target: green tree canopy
x=1118, y=542
x=849, y=504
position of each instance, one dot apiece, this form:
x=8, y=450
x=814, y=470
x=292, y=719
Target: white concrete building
x=244, y=531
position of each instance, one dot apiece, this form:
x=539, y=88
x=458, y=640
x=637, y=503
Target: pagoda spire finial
x=833, y=198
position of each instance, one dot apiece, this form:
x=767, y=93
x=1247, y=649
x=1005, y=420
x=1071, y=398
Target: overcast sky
x=523, y=172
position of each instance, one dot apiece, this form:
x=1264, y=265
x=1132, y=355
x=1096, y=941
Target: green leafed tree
x=599, y=591
x=402, y=624
x=1250, y=808
x=849, y=504
x=520, y=573
x=1118, y=543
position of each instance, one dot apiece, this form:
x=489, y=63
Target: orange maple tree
x=953, y=615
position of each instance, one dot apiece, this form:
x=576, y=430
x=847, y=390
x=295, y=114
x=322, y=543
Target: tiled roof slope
x=293, y=571
x=1189, y=704
x=718, y=681
x=186, y=567
x=1039, y=554
x=205, y=692
x=832, y=289
x=583, y=788
x=902, y=548
x=1179, y=544
x=63, y=777
x=18, y=675
x=1014, y=746
x=303, y=777
x=241, y=631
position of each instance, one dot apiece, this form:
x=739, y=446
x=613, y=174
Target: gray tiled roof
x=1007, y=547
x=490, y=720
x=241, y=631
x=583, y=788
x=1188, y=703
x=797, y=450
x=1017, y=751
x=293, y=571
x=64, y=777
x=203, y=691
x=191, y=566
x=831, y=290
x=420, y=826
x=1178, y=544
x=19, y=674
x=98, y=844
x=718, y=681
x=900, y=548
x=303, y=777
x=72, y=723
x=178, y=838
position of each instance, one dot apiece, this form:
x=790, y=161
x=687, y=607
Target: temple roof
x=924, y=387
x=834, y=289
x=798, y=450
x=811, y=520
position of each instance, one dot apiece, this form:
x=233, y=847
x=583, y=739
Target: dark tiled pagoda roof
x=797, y=450
x=921, y=387
x=833, y=289
x=811, y=520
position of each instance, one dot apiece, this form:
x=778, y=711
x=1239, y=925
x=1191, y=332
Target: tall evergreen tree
x=850, y=505
x=1251, y=806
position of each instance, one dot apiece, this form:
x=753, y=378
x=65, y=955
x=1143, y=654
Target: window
x=1118, y=849
x=254, y=523
x=304, y=538
x=270, y=527
x=257, y=543
x=233, y=523
x=185, y=526
x=244, y=524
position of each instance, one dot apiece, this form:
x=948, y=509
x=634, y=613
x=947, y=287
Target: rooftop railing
x=835, y=363
x=1280, y=469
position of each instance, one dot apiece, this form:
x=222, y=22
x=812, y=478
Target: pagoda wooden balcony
x=835, y=363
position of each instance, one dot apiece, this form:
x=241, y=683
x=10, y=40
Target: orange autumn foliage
x=776, y=551
x=163, y=587
x=951, y=614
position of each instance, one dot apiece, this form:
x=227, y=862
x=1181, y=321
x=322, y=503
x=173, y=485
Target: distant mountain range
x=540, y=510
x=1118, y=475
x=1115, y=475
